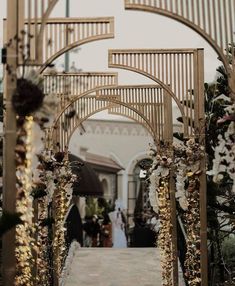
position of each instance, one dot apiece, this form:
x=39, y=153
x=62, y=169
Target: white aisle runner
x=115, y=267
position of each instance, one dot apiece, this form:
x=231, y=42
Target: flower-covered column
x=159, y=194
x=188, y=162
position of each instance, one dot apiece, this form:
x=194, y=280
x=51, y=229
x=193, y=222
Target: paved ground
x=115, y=267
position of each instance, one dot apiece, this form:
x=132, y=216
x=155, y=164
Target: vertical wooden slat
x=203, y=15
x=29, y=28
x=192, y=11
x=231, y=20
x=203, y=193
x=225, y=30
x=198, y=13
x=214, y=19
x=220, y=24
x=36, y=29
x=209, y=18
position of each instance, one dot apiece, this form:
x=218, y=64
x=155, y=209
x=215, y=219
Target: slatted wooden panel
x=68, y=86
x=150, y=100
x=33, y=14
x=63, y=34
x=213, y=19
x=179, y=72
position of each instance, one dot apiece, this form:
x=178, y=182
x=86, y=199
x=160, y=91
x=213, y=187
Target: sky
x=133, y=29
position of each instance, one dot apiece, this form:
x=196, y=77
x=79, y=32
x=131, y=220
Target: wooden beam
x=9, y=168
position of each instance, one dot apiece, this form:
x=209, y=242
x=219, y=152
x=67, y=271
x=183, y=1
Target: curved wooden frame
x=53, y=137
x=141, y=61
x=124, y=59
x=152, y=100
x=90, y=25
x=158, y=102
x=105, y=108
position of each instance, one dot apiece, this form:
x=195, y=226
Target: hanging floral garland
x=26, y=99
x=61, y=201
x=159, y=195
x=187, y=159
x=33, y=110
x=42, y=192
x=165, y=233
x=224, y=162
x=25, y=242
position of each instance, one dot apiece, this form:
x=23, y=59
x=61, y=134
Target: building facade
x=123, y=142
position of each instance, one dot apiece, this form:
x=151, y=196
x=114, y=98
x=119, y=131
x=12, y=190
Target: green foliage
x=228, y=250
x=92, y=207
x=105, y=205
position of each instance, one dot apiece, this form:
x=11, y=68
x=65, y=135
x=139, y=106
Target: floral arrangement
x=186, y=165
x=187, y=161
x=43, y=178
x=61, y=201
x=159, y=195
x=25, y=241
x=224, y=157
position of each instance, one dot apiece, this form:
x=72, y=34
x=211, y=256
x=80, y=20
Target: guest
x=106, y=232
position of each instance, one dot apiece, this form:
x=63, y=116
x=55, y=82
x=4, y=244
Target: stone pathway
x=115, y=267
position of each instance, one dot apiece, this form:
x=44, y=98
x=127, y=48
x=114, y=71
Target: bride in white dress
x=118, y=226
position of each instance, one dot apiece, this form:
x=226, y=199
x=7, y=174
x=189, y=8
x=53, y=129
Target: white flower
x=183, y=203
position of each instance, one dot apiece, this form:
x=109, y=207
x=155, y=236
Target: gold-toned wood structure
x=32, y=18
x=145, y=104
x=212, y=19
x=34, y=40
x=67, y=86
x=9, y=182
x=179, y=76
x=62, y=35
x=151, y=100
x=180, y=73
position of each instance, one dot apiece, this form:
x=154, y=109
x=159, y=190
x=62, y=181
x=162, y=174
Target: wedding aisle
x=115, y=267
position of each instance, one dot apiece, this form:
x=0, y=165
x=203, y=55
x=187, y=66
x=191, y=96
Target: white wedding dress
x=118, y=227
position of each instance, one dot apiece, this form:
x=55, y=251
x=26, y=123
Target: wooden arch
x=214, y=20
x=125, y=111
x=85, y=107
x=151, y=100
x=62, y=35
x=179, y=72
